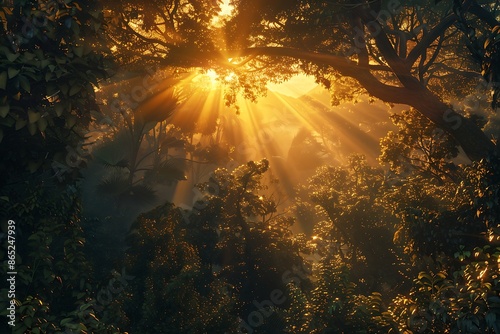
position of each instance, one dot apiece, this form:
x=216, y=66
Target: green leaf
x=74, y=90
x=28, y=322
x=3, y=80
x=20, y=123
x=32, y=128
x=12, y=56
x=12, y=72
x=44, y=63
x=42, y=124
x=83, y=307
x=33, y=116
x=29, y=55
x=4, y=110
x=78, y=51
x=70, y=121
x=59, y=108
x=64, y=89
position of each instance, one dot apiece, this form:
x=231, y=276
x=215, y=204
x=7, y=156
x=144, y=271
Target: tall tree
x=420, y=53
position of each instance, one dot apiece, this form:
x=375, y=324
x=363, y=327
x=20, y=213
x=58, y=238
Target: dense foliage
x=95, y=169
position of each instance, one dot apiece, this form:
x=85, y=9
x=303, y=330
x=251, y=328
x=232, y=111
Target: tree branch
x=432, y=35
x=483, y=14
x=342, y=65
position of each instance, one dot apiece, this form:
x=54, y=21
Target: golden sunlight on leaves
x=207, y=79
x=226, y=8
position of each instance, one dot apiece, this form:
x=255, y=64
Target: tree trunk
x=467, y=134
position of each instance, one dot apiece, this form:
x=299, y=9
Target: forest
x=250, y=166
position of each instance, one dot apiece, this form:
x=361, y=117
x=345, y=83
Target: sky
x=295, y=87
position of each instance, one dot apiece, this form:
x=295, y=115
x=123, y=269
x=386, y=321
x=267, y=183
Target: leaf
x=28, y=55
x=12, y=56
x=70, y=121
x=4, y=110
x=20, y=123
x=441, y=275
x=42, y=124
x=32, y=128
x=59, y=108
x=44, y=63
x=78, y=51
x=486, y=43
x=83, y=307
x=423, y=275
x=28, y=322
x=12, y=72
x=33, y=116
x=74, y=90
x=75, y=27
x=3, y=80
x=122, y=163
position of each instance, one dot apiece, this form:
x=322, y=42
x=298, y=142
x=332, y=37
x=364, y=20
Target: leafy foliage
x=359, y=228
x=419, y=147
x=52, y=58
x=219, y=254
x=54, y=285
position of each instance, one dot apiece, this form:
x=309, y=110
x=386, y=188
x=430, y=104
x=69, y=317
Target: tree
x=138, y=154
x=419, y=146
x=358, y=228
x=52, y=58
x=399, y=53
x=218, y=260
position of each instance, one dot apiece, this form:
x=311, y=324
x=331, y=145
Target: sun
x=212, y=75
x=206, y=79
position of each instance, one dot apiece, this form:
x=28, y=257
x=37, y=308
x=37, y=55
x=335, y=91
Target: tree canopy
x=419, y=53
